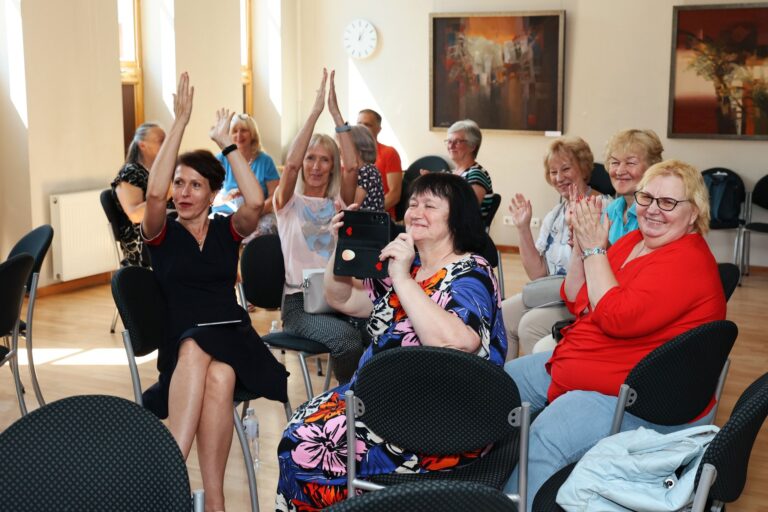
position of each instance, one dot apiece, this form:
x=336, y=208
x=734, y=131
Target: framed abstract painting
x=502, y=70
x=719, y=72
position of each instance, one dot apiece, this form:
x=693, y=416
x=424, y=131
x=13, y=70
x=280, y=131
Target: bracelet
x=343, y=128
x=586, y=253
x=227, y=150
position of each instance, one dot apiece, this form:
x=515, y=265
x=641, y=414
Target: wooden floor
x=76, y=354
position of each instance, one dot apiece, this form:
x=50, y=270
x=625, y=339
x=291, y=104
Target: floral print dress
x=312, y=454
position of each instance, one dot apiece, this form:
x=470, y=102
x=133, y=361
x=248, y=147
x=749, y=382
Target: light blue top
x=615, y=213
x=263, y=168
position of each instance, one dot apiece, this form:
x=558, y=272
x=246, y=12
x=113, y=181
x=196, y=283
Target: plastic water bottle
x=251, y=428
x=275, y=327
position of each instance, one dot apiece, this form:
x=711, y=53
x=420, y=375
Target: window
x=129, y=30
x=246, y=61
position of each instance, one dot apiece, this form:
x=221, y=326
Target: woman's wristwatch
x=586, y=253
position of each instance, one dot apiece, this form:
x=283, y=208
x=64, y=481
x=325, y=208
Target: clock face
x=360, y=39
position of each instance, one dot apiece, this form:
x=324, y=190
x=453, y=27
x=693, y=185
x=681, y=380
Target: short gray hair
x=471, y=131
x=364, y=142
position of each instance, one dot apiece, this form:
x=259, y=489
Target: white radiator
x=83, y=244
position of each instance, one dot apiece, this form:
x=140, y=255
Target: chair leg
x=248, y=461
x=15, y=370
x=28, y=340
x=114, y=322
x=288, y=410
x=305, y=372
x=328, y=373
x=500, y=271
x=319, y=366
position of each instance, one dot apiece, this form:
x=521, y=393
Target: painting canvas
x=504, y=71
x=719, y=75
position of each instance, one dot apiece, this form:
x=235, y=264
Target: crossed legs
x=200, y=404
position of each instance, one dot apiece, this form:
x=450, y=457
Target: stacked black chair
x=431, y=163
x=601, y=180
x=729, y=210
x=143, y=310
x=759, y=197
x=669, y=386
x=440, y=401
x=430, y=496
x=36, y=244
x=263, y=272
x=92, y=452
x=14, y=274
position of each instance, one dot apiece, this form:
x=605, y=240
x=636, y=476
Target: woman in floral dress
x=445, y=296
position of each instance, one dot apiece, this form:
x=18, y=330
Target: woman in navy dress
x=194, y=259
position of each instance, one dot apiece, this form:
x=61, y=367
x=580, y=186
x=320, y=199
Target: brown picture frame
x=718, y=87
x=504, y=70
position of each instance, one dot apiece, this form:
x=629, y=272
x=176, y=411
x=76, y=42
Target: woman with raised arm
x=444, y=296
x=211, y=344
x=312, y=187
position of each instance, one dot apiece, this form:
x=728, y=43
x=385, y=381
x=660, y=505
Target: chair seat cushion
x=762, y=227
x=545, y=500
x=492, y=470
x=293, y=342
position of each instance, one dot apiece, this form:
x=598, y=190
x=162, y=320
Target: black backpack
x=726, y=196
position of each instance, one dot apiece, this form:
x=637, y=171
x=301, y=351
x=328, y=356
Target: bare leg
x=185, y=400
x=214, y=432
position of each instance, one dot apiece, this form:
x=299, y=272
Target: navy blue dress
x=199, y=286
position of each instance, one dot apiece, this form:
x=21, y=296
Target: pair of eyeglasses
x=664, y=203
x=454, y=142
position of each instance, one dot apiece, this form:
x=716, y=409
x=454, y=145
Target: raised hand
x=219, y=132
x=182, y=100
x=521, y=210
x=337, y=221
x=320, y=97
x=333, y=102
x=588, y=230
x=400, y=253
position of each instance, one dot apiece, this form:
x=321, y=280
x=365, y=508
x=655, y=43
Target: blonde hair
x=693, y=184
x=645, y=141
x=334, y=184
x=576, y=149
x=250, y=124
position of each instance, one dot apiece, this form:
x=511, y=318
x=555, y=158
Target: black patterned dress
x=130, y=238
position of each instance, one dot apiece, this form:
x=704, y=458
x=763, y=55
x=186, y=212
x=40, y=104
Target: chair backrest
x=675, y=382
x=729, y=451
x=729, y=276
x=14, y=273
x=760, y=193
x=142, y=307
x=36, y=244
x=600, y=180
x=109, y=206
x=412, y=393
x=490, y=252
x=726, y=197
x=92, y=452
x=263, y=271
x=495, y=202
x=430, y=496
x=432, y=163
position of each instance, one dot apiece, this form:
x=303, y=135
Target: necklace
x=200, y=241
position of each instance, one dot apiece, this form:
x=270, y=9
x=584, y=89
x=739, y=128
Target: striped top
x=477, y=175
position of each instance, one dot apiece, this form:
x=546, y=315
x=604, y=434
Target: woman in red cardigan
x=653, y=284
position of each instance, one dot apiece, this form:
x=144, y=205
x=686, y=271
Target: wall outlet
x=508, y=220
x=535, y=222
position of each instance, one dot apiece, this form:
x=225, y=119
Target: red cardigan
x=665, y=293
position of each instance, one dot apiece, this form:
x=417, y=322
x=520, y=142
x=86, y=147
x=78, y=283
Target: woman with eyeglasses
x=653, y=284
x=245, y=135
x=567, y=168
x=463, y=143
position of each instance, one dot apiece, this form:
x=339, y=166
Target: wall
x=617, y=76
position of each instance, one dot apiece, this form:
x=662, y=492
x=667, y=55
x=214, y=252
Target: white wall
x=617, y=76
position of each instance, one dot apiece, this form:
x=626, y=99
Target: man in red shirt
x=387, y=161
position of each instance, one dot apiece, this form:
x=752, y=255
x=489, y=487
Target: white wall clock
x=360, y=39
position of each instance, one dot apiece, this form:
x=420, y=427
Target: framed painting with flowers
x=719, y=72
x=502, y=70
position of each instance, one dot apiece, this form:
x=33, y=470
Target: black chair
x=430, y=496
x=495, y=203
x=727, y=457
x=723, y=470
x=36, y=244
x=143, y=310
x=440, y=401
x=729, y=276
x=113, y=219
x=14, y=274
x=92, y=452
x=759, y=197
x=669, y=386
x=263, y=274
x=601, y=180
x=734, y=203
x=432, y=163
